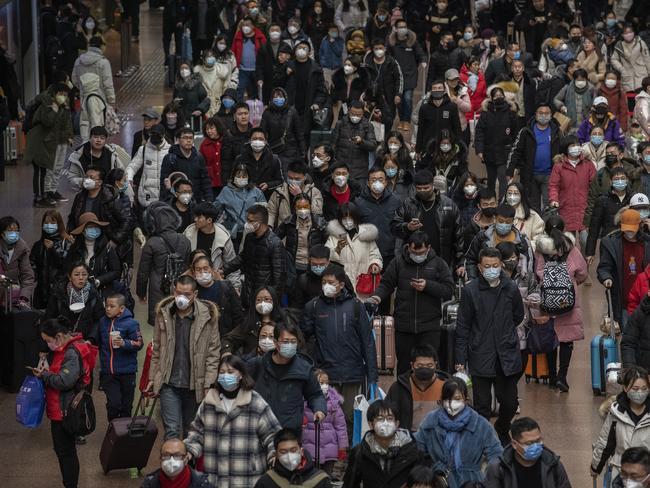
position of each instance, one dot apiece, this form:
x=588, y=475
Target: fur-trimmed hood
x=411, y=38
x=544, y=243
x=488, y=105
x=367, y=232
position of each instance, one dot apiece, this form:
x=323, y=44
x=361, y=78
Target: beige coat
x=216, y=80
x=632, y=61
x=594, y=67
x=279, y=203
x=205, y=346
x=531, y=227
x=642, y=111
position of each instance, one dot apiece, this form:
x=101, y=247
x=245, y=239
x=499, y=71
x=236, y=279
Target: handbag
x=30, y=402
x=542, y=337
x=111, y=121
x=367, y=283
x=79, y=417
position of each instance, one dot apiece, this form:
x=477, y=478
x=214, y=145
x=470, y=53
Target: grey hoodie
x=93, y=61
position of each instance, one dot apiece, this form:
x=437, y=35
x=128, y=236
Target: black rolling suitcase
x=128, y=441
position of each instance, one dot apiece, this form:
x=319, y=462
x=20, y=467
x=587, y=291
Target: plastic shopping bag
x=361, y=404
x=30, y=402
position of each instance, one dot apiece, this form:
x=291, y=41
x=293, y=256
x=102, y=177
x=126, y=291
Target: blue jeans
x=177, y=408
x=406, y=107
x=246, y=84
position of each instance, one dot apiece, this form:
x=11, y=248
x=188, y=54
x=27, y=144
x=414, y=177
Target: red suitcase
x=128, y=441
x=384, y=328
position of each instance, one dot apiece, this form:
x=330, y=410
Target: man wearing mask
x=386, y=90
x=282, y=198
x=285, y=378
x=338, y=189
x=532, y=155
x=486, y=339
x=435, y=214
x=238, y=135
x=183, y=157
x=526, y=93
x=635, y=469
x=502, y=230
x=601, y=117
x=624, y=254
x=422, y=281
x=322, y=159
x=437, y=114
x=184, y=363
x=264, y=167
x=502, y=65
x=294, y=466
x=353, y=139
x=308, y=284
x=266, y=60
x=526, y=461
x=174, y=470
x=147, y=162
x=534, y=21
x=150, y=117
x=182, y=202
x=446, y=56
x=418, y=390
x=246, y=45
x=575, y=39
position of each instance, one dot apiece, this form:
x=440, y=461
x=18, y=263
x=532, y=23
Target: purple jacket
x=333, y=433
x=613, y=132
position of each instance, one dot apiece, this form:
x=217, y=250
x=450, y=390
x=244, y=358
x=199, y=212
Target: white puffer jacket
x=216, y=80
x=150, y=158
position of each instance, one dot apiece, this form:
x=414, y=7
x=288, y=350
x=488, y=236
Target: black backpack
x=558, y=295
x=174, y=267
x=30, y=111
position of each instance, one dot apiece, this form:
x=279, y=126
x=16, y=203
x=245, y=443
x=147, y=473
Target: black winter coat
x=105, y=265
x=530, y=95
x=283, y=127
x=193, y=167
x=495, y=132
x=288, y=232
x=379, y=212
x=603, y=218
x=385, y=81
x=232, y=147
x=486, y=328
x=635, y=344
x=267, y=169
x=355, y=155
x=287, y=395
x=193, y=96
x=502, y=474
x=432, y=120
x=610, y=267
x=87, y=321
x=450, y=229
x=330, y=205
x=198, y=480
x=265, y=62
x=308, y=286
x=409, y=54
x=416, y=311
x=440, y=61
x=487, y=238
x=48, y=267
x=229, y=305
x=400, y=394
x=316, y=93
x=358, y=86
x=107, y=208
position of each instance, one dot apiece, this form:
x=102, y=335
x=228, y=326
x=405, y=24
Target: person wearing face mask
x=379, y=24
x=422, y=281
x=246, y=45
x=575, y=99
x=438, y=113
x=308, y=284
x=631, y=58
x=627, y=423
x=502, y=65
x=527, y=221
x=600, y=116
x=214, y=132
x=94, y=62
x=226, y=110
x=267, y=59
x=70, y=362
x=150, y=118
x=239, y=454
x=147, y=162
x=611, y=89
x=353, y=244
x=264, y=167
x=489, y=325
x=351, y=14
x=174, y=471
x=294, y=35
x=286, y=379
x=349, y=83
x=466, y=198
x=440, y=19
x=635, y=468
x=445, y=157
x=181, y=201
x=457, y=438
x=337, y=189
x=218, y=72
x=330, y=52
x=595, y=150
x=322, y=160
x=395, y=146
x=161, y=222
x=353, y=140
x=190, y=93
x=294, y=465
x=15, y=262
x=642, y=106
x=172, y=120
x=526, y=461
x=387, y=452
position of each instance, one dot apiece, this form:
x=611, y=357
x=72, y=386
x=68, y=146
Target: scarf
x=571, y=102
x=183, y=480
x=453, y=432
x=78, y=296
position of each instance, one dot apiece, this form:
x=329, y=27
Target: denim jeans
x=177, y=408
x=246, y=85
x=406, y=107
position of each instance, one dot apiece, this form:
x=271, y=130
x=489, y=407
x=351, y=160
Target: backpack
x=53, y=53
x=557, y=292
x=174, y=267
x=79, y=416
x=30, y=111
x=561, y=56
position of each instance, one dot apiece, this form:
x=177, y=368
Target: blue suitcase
x=604, y=350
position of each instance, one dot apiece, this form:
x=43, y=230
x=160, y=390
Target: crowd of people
x=294, y=189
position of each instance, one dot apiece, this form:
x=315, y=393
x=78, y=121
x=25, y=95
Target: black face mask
x=438, y=94
x=425, y=196
x=610, y=160
x=155, y=139
x=576, y=39
x=424, y=374
x=488, y=212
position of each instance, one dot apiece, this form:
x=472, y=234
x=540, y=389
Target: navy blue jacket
x=123, y=360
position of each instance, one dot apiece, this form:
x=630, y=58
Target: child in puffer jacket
x=333, y=431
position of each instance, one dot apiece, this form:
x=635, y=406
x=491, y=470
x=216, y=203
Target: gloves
x=343, y=454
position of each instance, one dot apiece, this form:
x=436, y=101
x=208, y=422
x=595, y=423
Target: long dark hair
x=277, y=314
x=524, y=198
x=361, y=5
x=554, y=228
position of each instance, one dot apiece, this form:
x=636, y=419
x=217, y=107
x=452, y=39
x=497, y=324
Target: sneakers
x=57, y=196
x=562, y=385
x=44, y=202
x=80, y=440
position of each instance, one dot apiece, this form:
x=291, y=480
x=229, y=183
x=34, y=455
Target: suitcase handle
x=608, y=296
x=137, y=409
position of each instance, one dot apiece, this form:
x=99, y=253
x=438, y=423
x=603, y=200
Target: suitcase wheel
x=597, y=392
x=527, y=379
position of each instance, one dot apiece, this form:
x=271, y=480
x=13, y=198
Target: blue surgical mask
x=533, y=451
x=418, y=258
x=287, y=350
x=597, y=140
x=210, y=61
x=279, y=101
x=228, y=103
x=92, y=233
x=11, y=236
x=503, y=229
x=619, y=185
x=228, y=381
x=491, y=274
x=644, y=213
x=611, y=23
x=390, y=172
x=468, y=36
x=516, y=55
x=123, y=188
x=646, y=158
x=318, y=269
x=50, y=228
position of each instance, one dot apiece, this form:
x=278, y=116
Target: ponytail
x=554, y=227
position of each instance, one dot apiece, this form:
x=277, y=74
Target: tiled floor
x=569, y=421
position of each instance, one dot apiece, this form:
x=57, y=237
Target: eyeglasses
x=387, y=418
x=176, y=457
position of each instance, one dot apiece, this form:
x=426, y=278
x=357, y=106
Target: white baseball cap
x=600, y=101
x=639, y=199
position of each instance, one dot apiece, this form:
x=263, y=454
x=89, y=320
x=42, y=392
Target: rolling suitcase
x=604, y=350
x=384, y=328
x=128, y=441
x=11, y=144
x=537, y=368
x=448, y=328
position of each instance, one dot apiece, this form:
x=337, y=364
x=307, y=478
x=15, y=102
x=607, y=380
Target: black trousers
x=404, y=342
x=566, y=350
x=505, y=388
x=38, y=181
x=66, y=451
x=132, y=11
x=119, y=390
x=497, y=173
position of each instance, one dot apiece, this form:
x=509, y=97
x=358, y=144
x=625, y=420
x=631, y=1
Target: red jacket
x=638, y=291
x=238, y=43
x=569, y=187
x=475, y=97
x=56, y=383
x=211, y=152
x=617, y=102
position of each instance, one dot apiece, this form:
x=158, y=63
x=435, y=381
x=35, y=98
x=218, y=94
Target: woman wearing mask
x=611, y=89
x=226, y=109
x=527, y=221
x=445, y=157
x=317, y=26
x=457, y=438
x=466, y=199
x=48, y=255
x=117, y=178
x=264, y=308
x=396, y=146
x=379, y=25
x=557, y=246
x=631, y=58
x=399, y=181
x=283, y=127
x=627, y=423
x=14, y=262
x=87, y=30
x=214, y=132
x=574, y=100
x=172, y=119
x=472, y=76
x=218, y=71
x=233, y=429
x=77, y=299
x=352, y=244
x=221, y=292
x=189, y=93
x=351, y=14
x=459, y=94
x=590, y=58
x=302, y=231
x=596, y=149
x=601, y=116
x=234, y=201
x=349, y=82
x=265, y=343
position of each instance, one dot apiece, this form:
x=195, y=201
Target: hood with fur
x=367, y=232
x=411, y=38
x=544, y=243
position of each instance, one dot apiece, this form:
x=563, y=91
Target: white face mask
x=348, y=224
x=609, y=83
x=222, y=47
x=469, y=190
x=182, y=302
x=634, y=484
x=379, y=53
x=246, y=30
x=329, y=290
x=348, y=70
x=324, y=388
x=89, y=184
x=241, y=182
x=258, y=145
x=385, y=428
x=250, y=228
x=90, y=25
x=454, y=407
x=290, y=460
x=317, y=162
x=185, y=198
x=266, y=344
x=393, y=148
x=580, y=84
x=274, y=36
x=512, y=199
x=185, y=73
x=303, y=213
x=171, y=467
x=264, y=308
x=575, y=151
x=301, y=53
x=292, y=29
x=445, y=148
x=205, y=278
x=355, y=119
x=340, y=180
x=377, y=186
